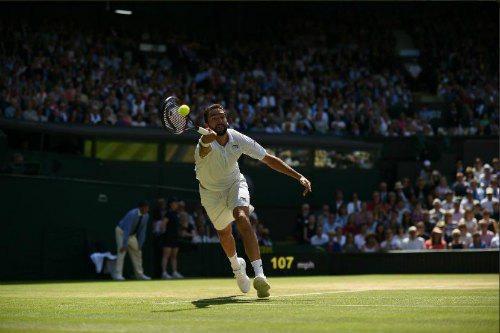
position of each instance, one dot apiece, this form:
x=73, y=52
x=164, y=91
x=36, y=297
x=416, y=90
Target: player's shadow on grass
x=206, y=302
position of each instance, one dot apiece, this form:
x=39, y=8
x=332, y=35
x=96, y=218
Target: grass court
x=364, y=303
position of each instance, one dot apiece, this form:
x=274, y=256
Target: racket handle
x=203, y=131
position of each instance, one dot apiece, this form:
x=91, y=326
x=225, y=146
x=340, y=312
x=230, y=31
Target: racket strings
x=171, y=117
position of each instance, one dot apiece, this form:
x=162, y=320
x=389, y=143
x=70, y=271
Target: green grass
x=368, y=303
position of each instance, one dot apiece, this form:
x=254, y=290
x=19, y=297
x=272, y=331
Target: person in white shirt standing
x=224, y=191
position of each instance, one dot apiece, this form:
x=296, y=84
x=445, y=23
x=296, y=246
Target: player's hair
x=210, y=108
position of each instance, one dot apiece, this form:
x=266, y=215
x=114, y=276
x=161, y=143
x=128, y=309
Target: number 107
x=282, y=262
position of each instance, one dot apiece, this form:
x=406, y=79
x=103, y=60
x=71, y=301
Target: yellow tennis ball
x=183, y=110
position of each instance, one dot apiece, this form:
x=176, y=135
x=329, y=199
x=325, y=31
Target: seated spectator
x=349, y=246
x=413, y=242
x=485, y=177
x=324, y=215
x=456, y=243
x=301, y=222
x=421, y=232
x=354, y=205
x=309, y=229
x=465, y=236
x=447, y=203
x=265, y=239
x=460, y=185
x=350, y=227
x=495, y=242
x=436, y=213
x=186, y=230
x=458, y=212
x=342, y=216
x=371, y=244
x=486, y=235
x=450, y=225
x=436, y=241
x=468, y=201
x=330, y=225
x=469, y=220
x=339, y=201
x=359, y=239
x=333, y=246
x=489, y=200
x=429, y=225
x=401, y=233
x=477, y=192
x=390, y=242
x=492, y=224
x=319, y=238
x=495, y=215
x=443, y=188
x=477, y=243
x=201, y=235
x=380, y=232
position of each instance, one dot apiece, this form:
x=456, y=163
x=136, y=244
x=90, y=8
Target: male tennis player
x=224, y=191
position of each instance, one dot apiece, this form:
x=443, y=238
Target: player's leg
x=120, y=256
x=252, y=249
x=238, y=265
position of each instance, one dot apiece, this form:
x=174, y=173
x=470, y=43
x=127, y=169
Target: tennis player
x=224, y=191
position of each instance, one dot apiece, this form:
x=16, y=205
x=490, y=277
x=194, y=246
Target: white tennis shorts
x=220, y=205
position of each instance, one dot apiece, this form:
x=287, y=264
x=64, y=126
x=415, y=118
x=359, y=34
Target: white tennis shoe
x=262, y=286
x=242, y=277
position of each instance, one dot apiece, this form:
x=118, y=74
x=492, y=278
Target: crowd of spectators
x=427, y=214
x=325, y=77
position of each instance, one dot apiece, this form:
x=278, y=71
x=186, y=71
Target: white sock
x=257, y=267
x=235, y=265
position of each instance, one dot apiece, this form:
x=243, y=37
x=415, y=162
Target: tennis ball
x=184, y=110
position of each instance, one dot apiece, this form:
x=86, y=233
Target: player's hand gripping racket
x=177, y=121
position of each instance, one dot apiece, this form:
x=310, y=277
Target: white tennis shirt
x=219, y=169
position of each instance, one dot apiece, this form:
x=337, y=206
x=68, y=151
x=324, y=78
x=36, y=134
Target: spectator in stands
x=354, y=205
x=495, y=215
x=458, y=213
x=417, y=213
x=201, y=235
x=456, y=243
x=477, y=242
x=492, y=225
x=426, y=171
x=447, y=203
x=429, y=224
x=350, y=227
x=469, y=220
x=413, y=242
x=486, y=235
x=301, y=222
x=383, y=192
x=477, y=192
x=339, y=201
x=460, y=185
x=390, y=242
x=477, y=210
x=332, y=245
x=436, y=241
x=489, y=200
x=359, y=239
x=342, y=216
x=309, y=230
x=436, y=214
x=265, y=239
x=130, y=236
x=324, y=215
x=485, y=177
x=400, y=233
x=495, y=241
x=443, y=188
x=330, y=225
x=371, y=244
x=171, y=240
x=421, y=231
x=465, y=236
x=319, y=238
x=467, y=200
x=339, y=237
x=186, y=229
x=350, y=246
x=478, y=168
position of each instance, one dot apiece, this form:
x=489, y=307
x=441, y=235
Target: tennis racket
x=173, y=121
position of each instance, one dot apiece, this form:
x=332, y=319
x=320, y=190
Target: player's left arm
x=277, y=164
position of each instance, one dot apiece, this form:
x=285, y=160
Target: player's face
x=217, y=122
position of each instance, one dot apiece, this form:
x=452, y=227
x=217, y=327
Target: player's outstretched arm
x=205, y=141
x=277, y=164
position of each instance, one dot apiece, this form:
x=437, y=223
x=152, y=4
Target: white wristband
x=206, y=145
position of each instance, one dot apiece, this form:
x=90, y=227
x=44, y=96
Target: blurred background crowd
x=342, y=76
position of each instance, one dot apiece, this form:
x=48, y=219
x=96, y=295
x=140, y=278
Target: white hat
x=427, y=163
x=489, y=190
